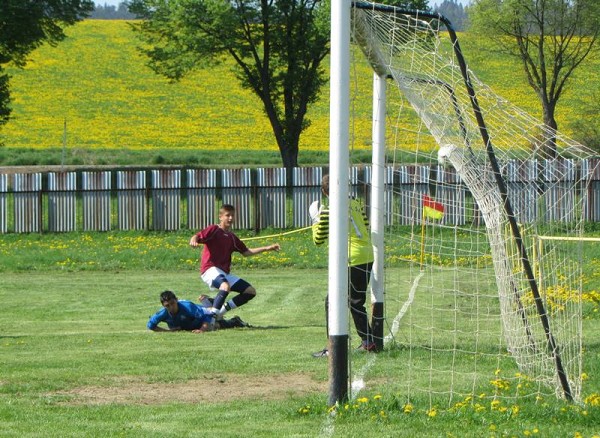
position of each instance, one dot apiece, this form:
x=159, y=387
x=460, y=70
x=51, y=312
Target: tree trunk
x=548, y=149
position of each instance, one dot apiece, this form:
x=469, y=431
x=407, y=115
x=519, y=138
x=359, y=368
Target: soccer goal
x=471, y=185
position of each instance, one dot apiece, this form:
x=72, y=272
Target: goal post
x=339, y=133
x=378, y=208
x=480, y=159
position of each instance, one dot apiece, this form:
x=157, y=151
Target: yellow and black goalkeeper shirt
x=361, y=250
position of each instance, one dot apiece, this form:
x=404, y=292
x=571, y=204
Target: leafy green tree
x=551, y=38
x=278, y=48
x=421, y=5
x=453, y=11
x=26, y=25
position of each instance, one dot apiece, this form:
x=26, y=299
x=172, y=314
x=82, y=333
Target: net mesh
x=487, y=298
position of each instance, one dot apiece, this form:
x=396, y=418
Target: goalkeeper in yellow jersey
x=360, y=263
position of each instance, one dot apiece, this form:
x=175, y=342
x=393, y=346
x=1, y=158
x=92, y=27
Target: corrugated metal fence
x=170, y=199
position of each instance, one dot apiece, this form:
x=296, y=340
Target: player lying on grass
x=215, y=262
x=185, y=315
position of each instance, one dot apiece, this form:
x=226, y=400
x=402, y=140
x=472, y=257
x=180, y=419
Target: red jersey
x=218, y=247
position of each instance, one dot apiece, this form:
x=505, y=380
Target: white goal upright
x=481, y=208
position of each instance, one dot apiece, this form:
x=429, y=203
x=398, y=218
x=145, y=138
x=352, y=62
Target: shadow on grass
x=267, y=327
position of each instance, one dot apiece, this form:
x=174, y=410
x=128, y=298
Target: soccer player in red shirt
x=215, y=263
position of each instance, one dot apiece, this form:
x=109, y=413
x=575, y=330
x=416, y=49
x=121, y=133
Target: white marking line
x=358, y=382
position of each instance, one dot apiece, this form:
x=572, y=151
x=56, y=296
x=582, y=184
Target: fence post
x=271, y=209
x=96, y=187
x=411, y=182
x=451, y=193
x=591, y=171
x=3, y=203
x=131, y=200
x=306, y=189
x=237, y=191
x=559, y=175
x=62, y=201
x=166, y=199
x=201, y=198
x=520, y=183
x=28, y=202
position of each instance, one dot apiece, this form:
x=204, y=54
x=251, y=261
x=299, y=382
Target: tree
x=551, y=38
x=26, y=25
x=453, y=11
x=278, y=48
x=421, y=5
x=110, y=12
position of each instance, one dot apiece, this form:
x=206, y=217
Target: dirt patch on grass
x=221, y=388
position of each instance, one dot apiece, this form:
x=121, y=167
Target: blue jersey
x=190, y=316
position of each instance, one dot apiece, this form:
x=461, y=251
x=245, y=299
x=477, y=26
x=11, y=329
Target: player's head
x=169, y=301
x=325, y=185
x=226, y=215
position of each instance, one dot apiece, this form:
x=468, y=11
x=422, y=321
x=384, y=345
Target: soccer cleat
x=368, y=346
x=323, y=353
x=236, y=321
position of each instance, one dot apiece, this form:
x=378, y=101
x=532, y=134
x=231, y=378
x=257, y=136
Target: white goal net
x=483, y=210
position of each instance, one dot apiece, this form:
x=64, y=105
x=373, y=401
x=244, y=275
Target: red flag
x=432, y=209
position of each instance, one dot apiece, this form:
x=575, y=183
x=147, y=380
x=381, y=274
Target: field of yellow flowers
x=95, y=91
x=96, y=88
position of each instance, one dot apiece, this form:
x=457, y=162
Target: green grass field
x=78, y=361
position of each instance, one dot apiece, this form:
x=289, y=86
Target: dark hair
x=227, y=207
x=167, y=296
x=325, y=185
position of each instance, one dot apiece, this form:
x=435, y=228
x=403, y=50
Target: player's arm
x=253, y=251
x=157, y=318
x=194, y=241
x=162, y=329
x=320, y=230
x=205, y=327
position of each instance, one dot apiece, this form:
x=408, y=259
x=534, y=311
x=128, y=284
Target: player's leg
x=359, y=282
x=324, y=352
x=245, y=293
x=234, y=322
x=215, y=278
x=234, y=284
